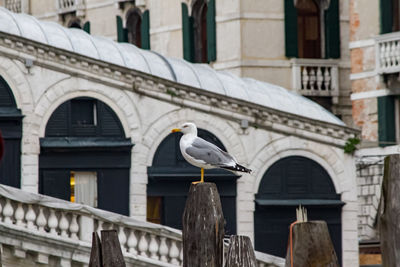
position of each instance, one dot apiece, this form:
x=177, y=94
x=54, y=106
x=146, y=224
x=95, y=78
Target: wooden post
x=312, y=246
x=107, y=252
x=95, y=253
x=203, y=227
x=389, y=220
x=240, y=252
x=111, y=249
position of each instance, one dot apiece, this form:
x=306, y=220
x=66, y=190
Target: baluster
x=153, y=247
x=64, y=225
x=1, y=209
x=181, y=253
x=19, y=214
x=122, y=238
x=382, y=56
x=304, y=78
x=143, y=245
x=132, y=242
x=74, y=227
x=8, y=212
x=313, y=78
x=99, y=227
x=53, y=222
x=320, y=78
x=327, y=78
x=30, y=217
x=163, y=249
x=387, y=54
x=392, y=54
x=397, y=54
x=174, y=252
x=41, y=220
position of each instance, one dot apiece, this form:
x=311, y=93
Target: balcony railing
x=27, y=219
x=68, y=6
x=14, y=5
x=316, y=77
x=387, y=51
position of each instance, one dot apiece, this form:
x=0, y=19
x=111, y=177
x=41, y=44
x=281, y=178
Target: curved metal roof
x=178, y=70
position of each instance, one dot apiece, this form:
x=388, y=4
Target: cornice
x=145, y=84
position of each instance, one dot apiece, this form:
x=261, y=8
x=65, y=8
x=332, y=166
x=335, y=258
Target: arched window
x=85, y=156
x=288, y=183
x=309, y=29
x=75, y=23
x=134, y=26
x=199, y=14
x=170, y=177
x=11, y=130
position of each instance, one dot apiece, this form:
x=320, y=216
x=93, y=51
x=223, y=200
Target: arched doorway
x=170, y=177
x=289, y=182
x=85, y=156
x=11, y=130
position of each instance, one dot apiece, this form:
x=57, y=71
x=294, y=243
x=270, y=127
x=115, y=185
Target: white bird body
x=203, y=154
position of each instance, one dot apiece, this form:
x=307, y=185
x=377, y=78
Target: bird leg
x=201, y=178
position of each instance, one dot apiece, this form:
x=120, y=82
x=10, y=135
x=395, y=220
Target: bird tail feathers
x=237, y=167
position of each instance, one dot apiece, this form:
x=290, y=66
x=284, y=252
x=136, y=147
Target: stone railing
x=30, y=222
x=387, y=52
x=14, y=5
x=68, y=6
x=316, y=77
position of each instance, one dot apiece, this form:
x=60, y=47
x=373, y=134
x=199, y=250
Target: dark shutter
x=211, y=32
x=86, y=27
x=187, y=34
x=290, y=29
x=332, y=30
x=56, y=184
x=386, y=14
x=121, y=31
x=145, y=29
x=386, y=121
x=113, y=190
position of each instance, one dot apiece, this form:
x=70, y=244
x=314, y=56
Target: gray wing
x=209, y=153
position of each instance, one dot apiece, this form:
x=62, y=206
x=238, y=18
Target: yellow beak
x=176, y=130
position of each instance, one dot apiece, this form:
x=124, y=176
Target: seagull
x=203, y=154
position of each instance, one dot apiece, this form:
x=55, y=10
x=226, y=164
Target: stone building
x=301, y=45
x=93, y=118
x=374, y=41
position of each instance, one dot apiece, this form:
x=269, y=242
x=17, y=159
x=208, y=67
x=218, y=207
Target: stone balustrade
x=316, y=77
x=387, y=51
x=67, y=6
x=30, y=222
x=14, y=5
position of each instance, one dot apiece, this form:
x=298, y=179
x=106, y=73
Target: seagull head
x=186, y=128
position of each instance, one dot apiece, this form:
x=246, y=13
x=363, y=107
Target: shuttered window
x=386, y=16
x=295, y=29
x=199, y=32
x=145, y=29
x=122, y=36
x=386, y=121
x=86, y=27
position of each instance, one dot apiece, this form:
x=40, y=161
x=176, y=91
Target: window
x=312, y=28
x=309, y=29
x=83, y=112
x=390, y=16
x=137, y=30
x=198, y=30
x=84, y=188
x=154, y=209
x=133, y=26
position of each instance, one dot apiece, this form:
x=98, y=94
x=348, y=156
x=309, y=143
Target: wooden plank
x=111, y=249
x=240, y=252
x=389, y=221
x=95, y=253
x=203, y=227
x=312, y=245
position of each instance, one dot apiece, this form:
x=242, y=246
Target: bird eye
x=184, y=126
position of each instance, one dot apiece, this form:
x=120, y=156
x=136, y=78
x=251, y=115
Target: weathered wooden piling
x=108, y=251
x=312, y=246
x=240, y=252
x=389, y=219
x=203, y=227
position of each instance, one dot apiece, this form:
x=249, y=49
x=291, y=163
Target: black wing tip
x=238, y=168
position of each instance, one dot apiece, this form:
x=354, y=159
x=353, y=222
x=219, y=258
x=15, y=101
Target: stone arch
x=116, y=99
x=282, y=148
x=223, y=130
